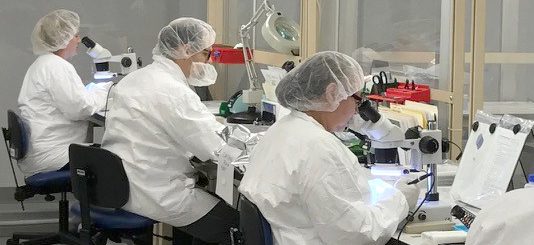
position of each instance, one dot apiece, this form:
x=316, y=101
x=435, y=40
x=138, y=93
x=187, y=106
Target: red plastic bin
x=419, y=93
x=227, y=55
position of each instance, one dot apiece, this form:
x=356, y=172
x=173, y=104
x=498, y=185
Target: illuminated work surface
x=444, y=204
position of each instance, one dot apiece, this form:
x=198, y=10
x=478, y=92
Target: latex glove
x=410, y=192
x=101, y=86
x=99, y=91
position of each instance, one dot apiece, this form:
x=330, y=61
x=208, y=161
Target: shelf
x=508, y=107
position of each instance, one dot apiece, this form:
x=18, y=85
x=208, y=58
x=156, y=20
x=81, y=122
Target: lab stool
x=46, y=183
x=100, y=184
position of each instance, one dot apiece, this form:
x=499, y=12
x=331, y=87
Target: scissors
x=380, y=81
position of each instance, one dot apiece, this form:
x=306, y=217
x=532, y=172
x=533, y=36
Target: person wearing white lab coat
x=507, y=220
x=304, y=180
x=53, y=100
x=157, y=123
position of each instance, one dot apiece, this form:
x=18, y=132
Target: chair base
x=61, y=237
x=30, y=239
x=138, y=237
x=42, y=239
x=142, y=236
x=57, y=238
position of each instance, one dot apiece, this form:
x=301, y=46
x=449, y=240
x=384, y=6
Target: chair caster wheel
x=49, y=198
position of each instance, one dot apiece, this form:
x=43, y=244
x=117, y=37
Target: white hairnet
x=304, y=87
x=183, y=38
x=54, y=31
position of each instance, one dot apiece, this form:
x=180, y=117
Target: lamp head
x=281, y=33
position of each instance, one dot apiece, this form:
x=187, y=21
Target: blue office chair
x=101, y=185
x=253, y=227
x=46, y=183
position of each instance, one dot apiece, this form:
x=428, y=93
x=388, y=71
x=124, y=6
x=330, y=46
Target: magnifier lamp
x=283, y=35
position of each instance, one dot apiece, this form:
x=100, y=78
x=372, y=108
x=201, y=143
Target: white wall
x=114, y=24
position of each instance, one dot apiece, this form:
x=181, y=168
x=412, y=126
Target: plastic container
x=403, y=92
x=227, y=55
x=530, y=183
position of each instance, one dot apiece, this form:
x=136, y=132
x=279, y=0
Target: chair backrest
x=254, y=227
x=108, y=184
x=18, y=135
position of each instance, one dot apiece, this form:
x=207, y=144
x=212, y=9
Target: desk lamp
x=283, y=35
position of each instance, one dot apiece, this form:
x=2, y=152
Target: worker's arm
x=189, y=121
x=345, y=205
x=70, y=96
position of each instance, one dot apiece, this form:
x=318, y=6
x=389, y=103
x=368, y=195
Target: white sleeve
x=70, y=96
x=346, y=206
x=193, y=126
x=99, y=91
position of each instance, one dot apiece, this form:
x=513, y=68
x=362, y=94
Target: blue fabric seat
x=115, y=219
x=45, y=179
x=266, y=227
x=45, y=183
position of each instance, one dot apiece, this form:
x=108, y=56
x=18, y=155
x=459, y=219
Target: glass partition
x=407, y=39
x=509, y=66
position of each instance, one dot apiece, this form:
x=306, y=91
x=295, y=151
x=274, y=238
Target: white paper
x=431, y=111
x=225, y=173
x=487, y=165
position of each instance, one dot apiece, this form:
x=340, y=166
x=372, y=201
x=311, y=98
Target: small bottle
x=530, y=183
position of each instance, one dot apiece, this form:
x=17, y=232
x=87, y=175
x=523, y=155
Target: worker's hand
x=411, y=192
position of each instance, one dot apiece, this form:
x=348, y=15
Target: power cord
x=106, y=106
x=459, y=148
x=166, y=238
x=521, y=163
x=7, y=136
x=411, y=215
x=523, y=169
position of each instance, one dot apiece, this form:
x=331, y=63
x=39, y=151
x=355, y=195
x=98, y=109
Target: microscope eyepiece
x=367, y=112
x=88, y=42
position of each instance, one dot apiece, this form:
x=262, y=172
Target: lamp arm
x=264, y=7
x=244, y=34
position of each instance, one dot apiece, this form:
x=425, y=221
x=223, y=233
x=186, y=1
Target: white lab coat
x=507, y=220
x=55, y=105
x=156, y=123
x=312, y=190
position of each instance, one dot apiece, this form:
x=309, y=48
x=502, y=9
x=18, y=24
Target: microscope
x=102, y=58
x=424, y=145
